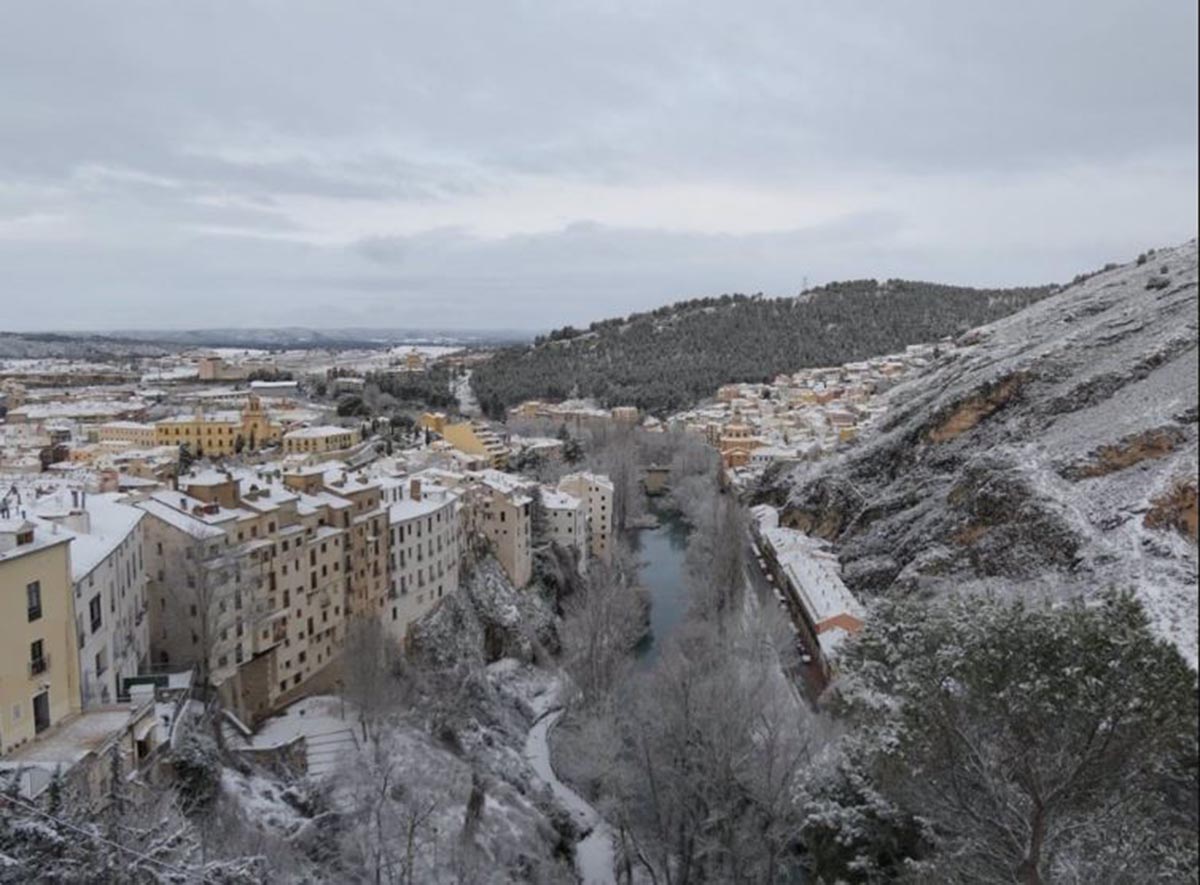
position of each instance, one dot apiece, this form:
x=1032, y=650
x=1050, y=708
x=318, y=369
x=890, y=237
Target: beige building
x=135, y=433
x=358, y=509
x=597, y=493
x=39, y=666
x=252, y=579
x=319, y=440
x=499, y=512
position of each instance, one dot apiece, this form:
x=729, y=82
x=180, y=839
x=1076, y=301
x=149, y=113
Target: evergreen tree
x=1034, y=743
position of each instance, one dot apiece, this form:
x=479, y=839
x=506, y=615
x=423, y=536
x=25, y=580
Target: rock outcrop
x=1056, y=454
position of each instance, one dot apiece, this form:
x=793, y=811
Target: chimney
x=414, y=489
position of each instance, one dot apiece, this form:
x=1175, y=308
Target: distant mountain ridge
x=158, y=342
x=671, y=357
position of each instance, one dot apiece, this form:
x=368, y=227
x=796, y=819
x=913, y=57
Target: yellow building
x=319, y=440
x=39, y=665
x=219, y=434
x=474, y=438
x=433, y=421
x=736, y=441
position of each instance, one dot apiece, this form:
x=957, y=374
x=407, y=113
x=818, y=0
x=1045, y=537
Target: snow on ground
x=594, y=855
x=327, y=725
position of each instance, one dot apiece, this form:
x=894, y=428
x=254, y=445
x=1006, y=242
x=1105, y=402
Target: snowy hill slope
x=1056, y=455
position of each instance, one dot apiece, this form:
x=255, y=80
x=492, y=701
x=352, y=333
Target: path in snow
x=594, y=858
x=467, y=404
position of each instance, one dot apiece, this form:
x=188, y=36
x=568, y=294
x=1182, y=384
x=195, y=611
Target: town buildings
x=469, y=437
x=320, y=440
x=108, y=577
x=242, y=571
x=136, y=433
x=499, y=511
x=248, y=584
x=807, y=573
x=802, y=416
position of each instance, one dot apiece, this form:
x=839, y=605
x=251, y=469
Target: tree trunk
x=1029, y=872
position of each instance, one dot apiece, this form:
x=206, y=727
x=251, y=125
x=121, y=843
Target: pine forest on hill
x=673, y=356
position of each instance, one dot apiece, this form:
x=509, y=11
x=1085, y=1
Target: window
x=38, y=662
x=94, y=611
x=33, y=600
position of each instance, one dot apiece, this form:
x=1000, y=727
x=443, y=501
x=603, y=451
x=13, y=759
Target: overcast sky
x=528, y=164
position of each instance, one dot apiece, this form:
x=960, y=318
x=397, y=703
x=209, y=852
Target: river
x=661, y=552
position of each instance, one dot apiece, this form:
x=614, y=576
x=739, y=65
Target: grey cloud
x=220, y=113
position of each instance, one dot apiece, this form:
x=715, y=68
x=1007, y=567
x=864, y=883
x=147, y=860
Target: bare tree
x=371, y=668
x=209, y=602
x=716, y=557
x=395, y=839
x=715, y=744
x=602, y=624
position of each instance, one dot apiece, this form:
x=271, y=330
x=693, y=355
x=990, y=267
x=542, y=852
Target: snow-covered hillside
x=1056, y=455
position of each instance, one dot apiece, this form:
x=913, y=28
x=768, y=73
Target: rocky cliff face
x=1055, y=455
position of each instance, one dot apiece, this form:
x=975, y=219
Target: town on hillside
x=188, y=530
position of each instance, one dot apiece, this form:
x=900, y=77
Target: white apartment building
x=426, y=547
x=567, y=523
x=108, y=578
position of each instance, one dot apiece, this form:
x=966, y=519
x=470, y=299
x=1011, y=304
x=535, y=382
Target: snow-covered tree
x=1037, y=743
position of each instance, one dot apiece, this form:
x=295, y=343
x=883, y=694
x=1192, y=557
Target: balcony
x=39, y=666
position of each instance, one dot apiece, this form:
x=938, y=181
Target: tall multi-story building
x=357, y=501
x=500, y=513
x=597, y=491
x=426, y=547
x=39, y=666
x=567, y=522
x=248, y=583
x=109, y=582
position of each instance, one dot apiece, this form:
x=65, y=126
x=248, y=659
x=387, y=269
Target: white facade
x=108, y=573
x=567, y=523
x=426, y=547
